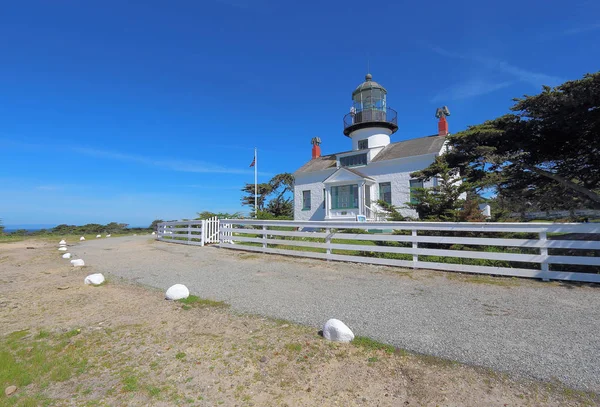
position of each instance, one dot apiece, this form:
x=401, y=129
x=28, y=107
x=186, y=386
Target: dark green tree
x=546, y=151
x=154, y=224
x=272, y=196
x=220, y=215
x=263, y=190
x=444, y=201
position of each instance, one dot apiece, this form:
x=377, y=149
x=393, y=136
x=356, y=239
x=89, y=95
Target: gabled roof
x=346, y=174
x=319, y=164
x=400, y=149
x=410, y=148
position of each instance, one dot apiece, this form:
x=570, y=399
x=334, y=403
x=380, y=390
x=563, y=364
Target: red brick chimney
x=316, y=150
x=442, y=126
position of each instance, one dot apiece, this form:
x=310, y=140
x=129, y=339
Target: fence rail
x=537, y=250
x=194, y=232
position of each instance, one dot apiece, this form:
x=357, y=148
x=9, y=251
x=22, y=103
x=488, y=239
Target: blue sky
x=131, y=111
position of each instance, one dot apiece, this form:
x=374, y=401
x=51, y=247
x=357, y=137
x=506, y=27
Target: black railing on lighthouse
x=388, y=115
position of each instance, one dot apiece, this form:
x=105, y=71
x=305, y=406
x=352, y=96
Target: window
x=305, y=200
x=363, y=144
x=345, y=196
x=385, y=192
x=414, y=185
x=354, y=160
x=324, y=195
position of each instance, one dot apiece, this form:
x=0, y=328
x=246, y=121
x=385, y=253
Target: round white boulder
x=108, y=235
x=78, y=263
x=335, y=330
x=66, y=256
x=98, y=235
x=81, y=238
x=153, y=233
x=177, y=292
x=62, y=242
x=94, y=279
x=62, y=249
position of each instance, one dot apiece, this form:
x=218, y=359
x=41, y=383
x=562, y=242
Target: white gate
x=211, y=230
x=194, y=232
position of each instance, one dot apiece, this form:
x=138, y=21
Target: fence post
x=264, y=236
x=328, y=242
x=202, y=232
x=415, y=246
x=189, y=228
x=544, y=254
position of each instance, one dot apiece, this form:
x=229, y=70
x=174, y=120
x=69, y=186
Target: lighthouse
x=370, y=122
x=349, y=185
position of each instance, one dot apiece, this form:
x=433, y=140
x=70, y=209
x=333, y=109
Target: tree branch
x=565, y=182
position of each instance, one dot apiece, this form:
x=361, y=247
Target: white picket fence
x=327, y=239
x=194, y=232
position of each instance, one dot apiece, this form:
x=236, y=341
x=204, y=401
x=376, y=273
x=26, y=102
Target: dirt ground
x=120, y=344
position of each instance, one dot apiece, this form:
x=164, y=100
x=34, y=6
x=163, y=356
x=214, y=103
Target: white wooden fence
x=195, y=232
x=529, y=256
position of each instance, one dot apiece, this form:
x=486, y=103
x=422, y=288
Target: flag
x=253, y=162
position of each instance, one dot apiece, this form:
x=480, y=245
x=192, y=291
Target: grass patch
x=180, y=355
x=194, y=301
x=293, y=347
x=484, y=279
x=42, y=334
x=38, y=360
x=130, y=382
x=153, y=391
x=71, y=333
x=371, y=344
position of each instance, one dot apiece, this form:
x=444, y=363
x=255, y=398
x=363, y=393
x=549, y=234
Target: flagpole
x=255, y=185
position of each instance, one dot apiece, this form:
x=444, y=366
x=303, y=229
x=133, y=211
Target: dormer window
x=353, y=160
x=363, y=144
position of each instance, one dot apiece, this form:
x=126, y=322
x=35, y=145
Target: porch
x=349, y=195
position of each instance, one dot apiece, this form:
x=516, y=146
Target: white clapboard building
x=347, y=185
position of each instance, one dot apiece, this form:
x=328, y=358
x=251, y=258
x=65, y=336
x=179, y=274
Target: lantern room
x=369, y=108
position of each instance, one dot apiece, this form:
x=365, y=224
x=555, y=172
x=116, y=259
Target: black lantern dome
x=369, y=108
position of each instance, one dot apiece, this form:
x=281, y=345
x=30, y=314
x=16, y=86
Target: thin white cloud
x=523, y=75
x=49, y=187
x=469, y=89
x=218, y=187
x=518, y=74
x=172, y=164
x=581, y=29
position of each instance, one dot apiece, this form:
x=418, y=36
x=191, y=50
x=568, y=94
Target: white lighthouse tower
x=370, y=122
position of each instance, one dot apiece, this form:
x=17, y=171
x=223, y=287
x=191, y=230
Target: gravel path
x=542, y=330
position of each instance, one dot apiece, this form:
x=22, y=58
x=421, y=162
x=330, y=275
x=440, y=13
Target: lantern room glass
x=369, y=99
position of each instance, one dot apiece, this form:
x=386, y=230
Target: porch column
x=361, y=198
x=327, y=200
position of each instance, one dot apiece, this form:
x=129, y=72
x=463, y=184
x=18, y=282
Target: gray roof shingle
x=400, y=149
x=410, y=148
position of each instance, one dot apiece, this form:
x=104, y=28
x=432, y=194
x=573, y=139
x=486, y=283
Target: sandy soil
x=144, y=350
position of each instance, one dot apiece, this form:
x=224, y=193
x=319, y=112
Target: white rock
x=177, y=292
x=153, y=233
x=77, y=263
x=66, y=256
x=98, y=235
x=108, y=235
x=81, y=238
x=94, y=279
x=335, y=330
x=62, y=242
x=62, y=249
